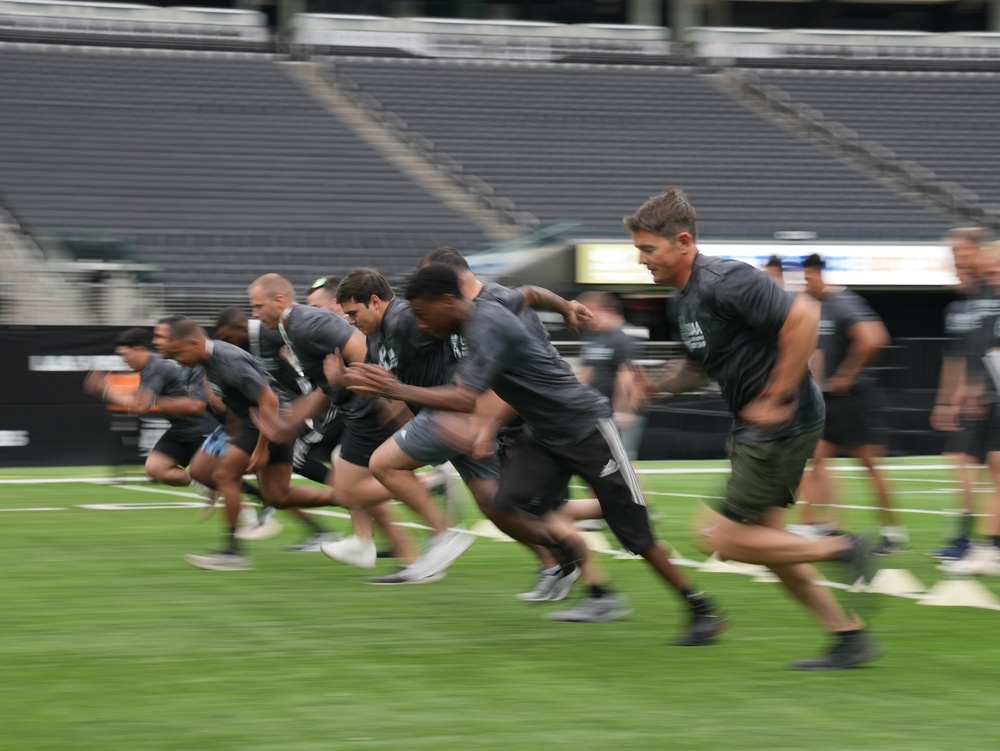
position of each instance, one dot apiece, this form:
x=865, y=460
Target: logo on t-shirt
x=692, y=335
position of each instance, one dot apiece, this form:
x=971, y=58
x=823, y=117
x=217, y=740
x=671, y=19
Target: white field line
x=412, y=525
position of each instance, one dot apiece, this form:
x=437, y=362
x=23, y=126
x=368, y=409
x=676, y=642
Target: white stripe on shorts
x=609, y=431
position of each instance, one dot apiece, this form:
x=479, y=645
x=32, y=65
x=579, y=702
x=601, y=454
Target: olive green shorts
x=765, y=474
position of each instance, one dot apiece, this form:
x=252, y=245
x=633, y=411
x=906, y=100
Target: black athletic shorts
x=362, y=435
x=855, y=419
x=510, y=442
x=980, y=435
x=179, y=445
x=318, y=442
x=278, y=453
x=534, y=470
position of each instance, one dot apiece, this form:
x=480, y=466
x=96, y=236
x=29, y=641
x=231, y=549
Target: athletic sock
x=965, y=525
x=598, y=591
x=697, y=602
x=229, y=542
x=845, y=637
x=566, y=555
x=251, y=489
x=201, y=488
x=314, y=526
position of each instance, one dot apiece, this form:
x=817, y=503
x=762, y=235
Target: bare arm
x=796, y=342
x=539, y=298
x=777, y=401
x=677, y=377
x=373, y=380
x=948, y=402
x=267, y=410
x=867, y=340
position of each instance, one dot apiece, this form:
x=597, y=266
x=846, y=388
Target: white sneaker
x=265, y=528
x=352, y=551
x=443, y=483
x=552, y=585
x=442, y=551
x=312, y=543
x=981, y=560
x=220, y=562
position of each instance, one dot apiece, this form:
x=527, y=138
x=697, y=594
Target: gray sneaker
x=401, y=577
x=610, y=607
x=311, y=544
x=543, y=588
x=220, y=561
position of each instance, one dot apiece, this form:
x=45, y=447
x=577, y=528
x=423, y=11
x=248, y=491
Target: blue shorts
x=216, y=443
x=421, y=441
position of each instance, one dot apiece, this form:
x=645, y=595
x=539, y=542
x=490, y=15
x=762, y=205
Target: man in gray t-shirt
x=165, y=389
x=851, y=337
x=570, y=425
x=741, y=329
x=244, y=387
x=608, y=363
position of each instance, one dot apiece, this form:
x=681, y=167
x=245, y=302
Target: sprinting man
x=741, y=329
x=571, y=431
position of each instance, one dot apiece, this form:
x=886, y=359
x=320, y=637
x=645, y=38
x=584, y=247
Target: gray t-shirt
x=842, y=310
x=505, y=357
x=984, y=311
x=729, y=316
x=416, y=357
x=171, y=379
x=606, y=352
x=236, y=377
x=312, y=334
x=959, y=324
x=265, y=345
x=513, y=300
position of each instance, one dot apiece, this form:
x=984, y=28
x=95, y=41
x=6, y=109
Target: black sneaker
x=703, y=629
x=848, y=652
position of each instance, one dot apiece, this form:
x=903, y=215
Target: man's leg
x=165, y=469
x=227, y=479
x=394, y=469
x=365, y=497
x=748, y=529
x=602, y=462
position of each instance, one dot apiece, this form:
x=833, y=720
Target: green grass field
x=109, y=642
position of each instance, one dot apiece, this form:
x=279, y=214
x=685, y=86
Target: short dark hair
x=606, y=300
x=665, y=215
x=447, y=256
x=170, y=320
x=330, y=282
x=185, y=329
x=774, y=262
x=133, y=338
x=813, y=262
x=361, y=285
x=432, y=282
x=231, y=316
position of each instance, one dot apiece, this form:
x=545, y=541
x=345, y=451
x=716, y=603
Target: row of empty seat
x=945, y=122
x=220, y=167
x=591, y=142
x=227, y=155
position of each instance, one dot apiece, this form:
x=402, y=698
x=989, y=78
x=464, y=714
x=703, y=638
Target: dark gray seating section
x=591, y=142
x=218, y=167
x=945, y=122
